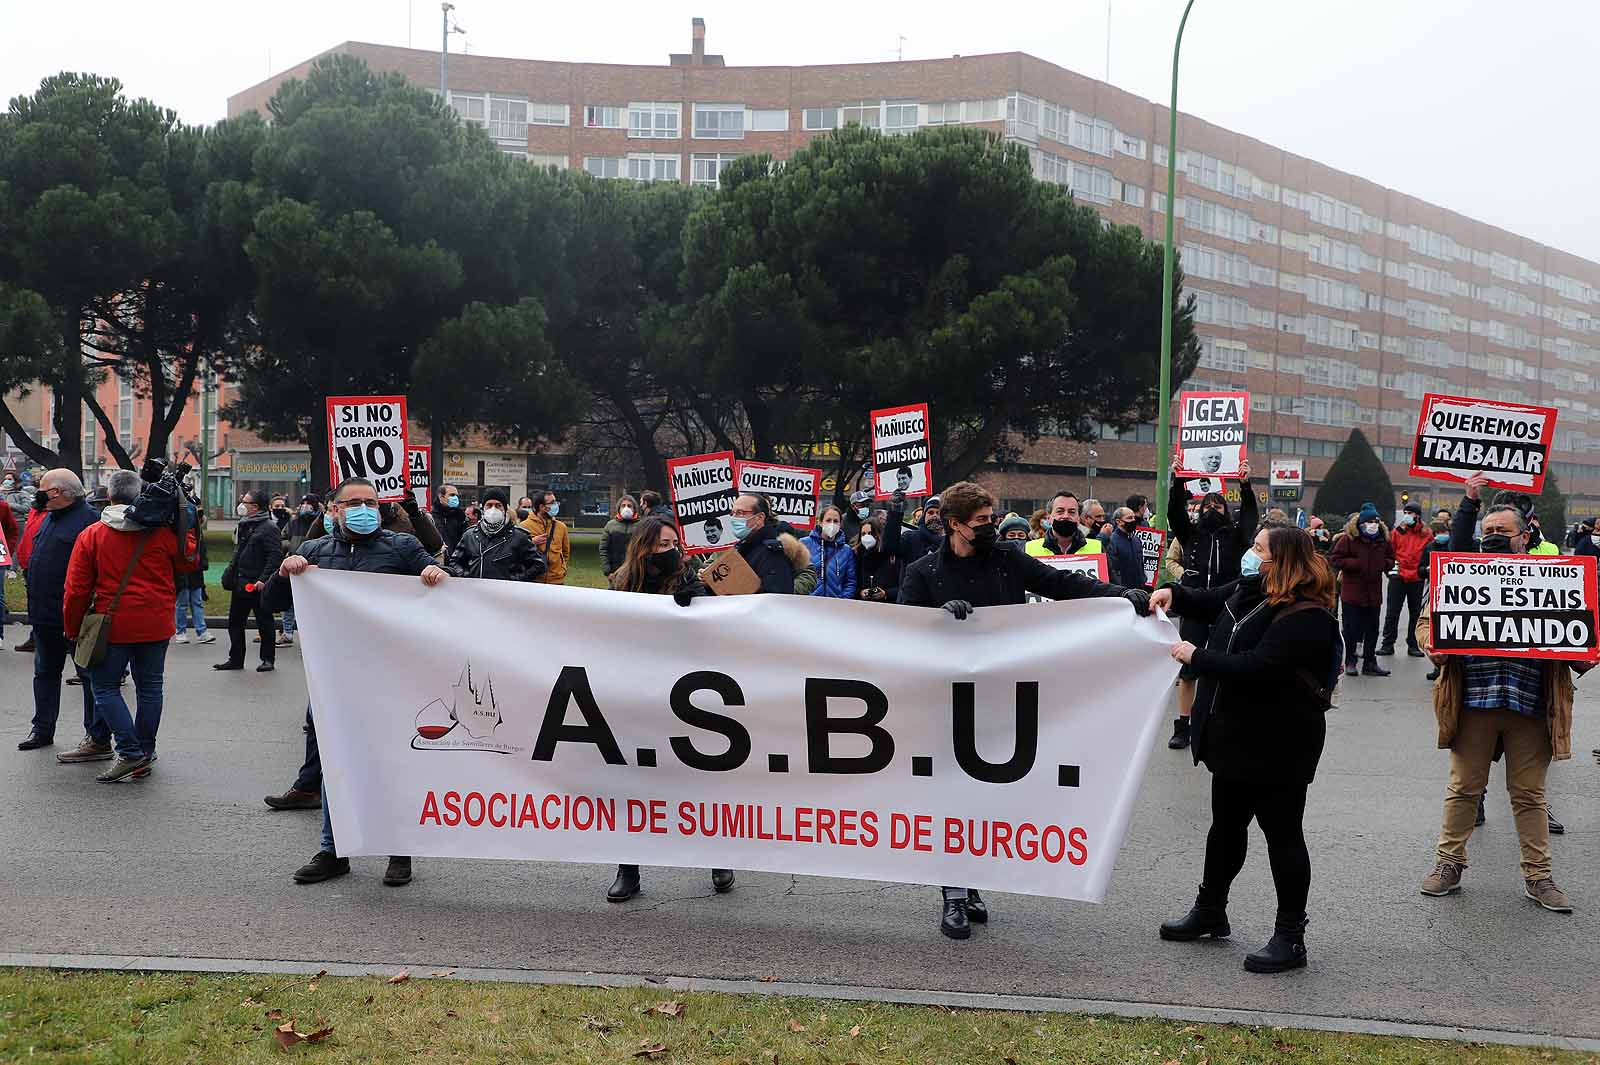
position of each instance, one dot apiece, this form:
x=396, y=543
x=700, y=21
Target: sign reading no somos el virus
x=1508, y=442
x=1523, y=606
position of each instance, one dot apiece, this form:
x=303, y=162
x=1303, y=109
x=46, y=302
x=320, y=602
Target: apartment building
x=1335, y=301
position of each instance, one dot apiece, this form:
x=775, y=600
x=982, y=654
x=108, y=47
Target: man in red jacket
x=1409, y=538
x=142, y=621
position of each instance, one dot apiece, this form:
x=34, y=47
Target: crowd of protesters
x=1271, y=611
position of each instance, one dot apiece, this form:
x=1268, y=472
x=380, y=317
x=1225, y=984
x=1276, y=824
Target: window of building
x=654, y=167
x=719, y=121
x=1159, y=154
x=547, y=159
x=603, y=117
x=655, y=120
x=1128, y=144
x=539, y=114
x=1132, y=194
x=1090, y=134
x=901, y=115
x=707, y=169
x=868, y=115
x=603, y=166
x=1159, y=202
x=981, y=110
x=822, y=118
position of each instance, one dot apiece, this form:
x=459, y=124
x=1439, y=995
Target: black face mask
x=522, y=514
x=1212, y=520
x=1129, y=526
x=40, y=500
x=1066, y=529
x=983, y=537
x=933, y=524
x=666, y=563
x=1496, y=544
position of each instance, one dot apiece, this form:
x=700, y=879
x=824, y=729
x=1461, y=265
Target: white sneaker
x=285, y=640
x=182, y=637
x=205, y=637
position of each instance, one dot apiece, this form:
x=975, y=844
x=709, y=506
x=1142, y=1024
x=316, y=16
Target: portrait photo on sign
x=900, y=451
x=1213, y=428
x=702, y=489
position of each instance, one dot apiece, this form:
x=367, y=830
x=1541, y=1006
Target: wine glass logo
x=472, y=707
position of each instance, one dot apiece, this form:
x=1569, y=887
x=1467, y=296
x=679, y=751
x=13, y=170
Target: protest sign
x=1202, y=486
x=1521, y=606
x=417, y=463
x=691, y=743
x=1152, y=544
x=730, y=574
x=900, y=459
x=1508, y=442
x=367, y=438
x=1093, y=565
x=1212, y=431
x=794, y=491
x=702, y=501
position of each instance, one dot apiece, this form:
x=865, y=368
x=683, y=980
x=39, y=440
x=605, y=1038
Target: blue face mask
x=1441, y=538
x=1250, y=564
x=361, y=520
x=740, y=527
x=327, y=523
x=452, y=501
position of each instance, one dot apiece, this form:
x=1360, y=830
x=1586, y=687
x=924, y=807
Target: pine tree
x=1356, y=477
x=1552, y=510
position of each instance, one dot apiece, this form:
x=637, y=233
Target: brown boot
x=87, y=750
x=294, y=799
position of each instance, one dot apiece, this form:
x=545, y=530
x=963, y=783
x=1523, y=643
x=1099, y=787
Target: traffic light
x=1405, y=497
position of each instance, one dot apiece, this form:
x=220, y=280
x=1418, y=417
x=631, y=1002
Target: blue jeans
x=288, y=622
x=191, y=601
x=134, y=739
x=51, y=653
x=327, y=827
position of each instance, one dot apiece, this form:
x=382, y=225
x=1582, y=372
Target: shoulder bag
x=94, y=634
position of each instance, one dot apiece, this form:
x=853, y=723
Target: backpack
x=1320, y=688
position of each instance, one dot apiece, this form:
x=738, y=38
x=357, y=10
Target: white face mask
x=243, y=510
x=869, y=541
x=494, y=518
x=1369, y=527
x=626, y=513
x=1408, y=519
x=830, y=529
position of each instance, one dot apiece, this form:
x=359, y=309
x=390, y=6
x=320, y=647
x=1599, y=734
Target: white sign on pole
x=692, y=744
x=367, y=438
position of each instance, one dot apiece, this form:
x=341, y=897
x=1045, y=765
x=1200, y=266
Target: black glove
x=683, y=597
x=1140, y=600
x=960, y=608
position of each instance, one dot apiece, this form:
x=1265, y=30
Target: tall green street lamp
x=1164, y=411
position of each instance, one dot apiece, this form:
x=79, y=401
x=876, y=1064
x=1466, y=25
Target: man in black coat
x=359, y=544
x=969, y=571
x=257, y=551
x=757, y=531
x=919, y=541
x=449, y=516
x=495, y=549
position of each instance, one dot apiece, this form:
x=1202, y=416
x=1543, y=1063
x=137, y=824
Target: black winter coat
x=1254, y=718
x=382, y=552
x=766, y=556
x=47, y=565
x=451, y=523
x=1002, y=576
x=508, y=555
x=880, y=567
x=257, y=551
x=1125, y=559
x=1211, y=556
x=916, y=542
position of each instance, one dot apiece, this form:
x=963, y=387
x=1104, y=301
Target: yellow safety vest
x=1090, y=547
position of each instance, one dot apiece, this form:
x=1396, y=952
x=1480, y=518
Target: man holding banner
x=968, y=572
x=1512, y=698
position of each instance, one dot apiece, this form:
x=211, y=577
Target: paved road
x=190, y=863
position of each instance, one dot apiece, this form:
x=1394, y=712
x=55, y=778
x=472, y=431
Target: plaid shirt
x=1495, y=683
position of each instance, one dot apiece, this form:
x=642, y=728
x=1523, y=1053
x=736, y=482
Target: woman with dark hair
x=654, y=563
x=877, y=548
x=1264, y=681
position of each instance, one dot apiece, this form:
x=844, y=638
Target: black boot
x=1284, y=951
x=626, y=885
x=954, y=922
x=1480, y=819
x=1208, y=917
x=1180, y=734
x=722, y=881
x=977, y=909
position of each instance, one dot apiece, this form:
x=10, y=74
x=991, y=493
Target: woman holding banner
x=1265, y=678
x=654, y=563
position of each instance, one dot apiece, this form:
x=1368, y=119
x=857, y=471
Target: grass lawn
x=154, y=1018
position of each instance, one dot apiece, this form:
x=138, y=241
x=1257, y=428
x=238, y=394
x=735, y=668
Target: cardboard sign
x=417, y=463
x=367, y=438
x=1519, y=606
x=702, y=500
x=1508, y=442
x=794, y=491
x=900, y=456
x=1288, y=473
x=1152, y=543
x=730, y=574
x=1093, y=565
x=1212, y=430
x=1203, y=486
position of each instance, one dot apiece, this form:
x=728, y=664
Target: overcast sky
x=1481, y=106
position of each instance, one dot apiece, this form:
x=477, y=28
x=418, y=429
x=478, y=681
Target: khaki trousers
x=1526, y=741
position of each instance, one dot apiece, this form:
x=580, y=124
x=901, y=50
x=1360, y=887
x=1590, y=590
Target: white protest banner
x=900, y=459
x=367, y=438
x=1212, y=430
x=1509, y=442
x=1152, y=544
x=692, y=743
x=417, y=462
x=794, y=491
x=1519, y=606
x=702, y=500
x=1092, y=565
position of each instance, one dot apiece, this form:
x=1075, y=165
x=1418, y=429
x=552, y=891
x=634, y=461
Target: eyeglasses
x=744, y=513
x=370, y=501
